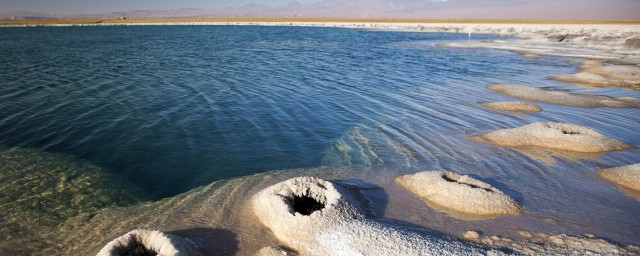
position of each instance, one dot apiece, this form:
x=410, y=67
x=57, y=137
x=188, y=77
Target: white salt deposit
x=624, y=176
x=564, y=98
x=317, y=217
x=460, y=194
x=561, y=136
x=148, y=242
x=626, y=76
x=546, y=244
x=513, y=106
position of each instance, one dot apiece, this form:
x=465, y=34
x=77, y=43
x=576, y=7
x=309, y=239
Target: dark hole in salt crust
x=569, y=132
x=136, y=248
x=447, y=178
x=565, y=131
x=306, y=205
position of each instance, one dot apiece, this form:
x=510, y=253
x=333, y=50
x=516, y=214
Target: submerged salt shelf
x=367, y=106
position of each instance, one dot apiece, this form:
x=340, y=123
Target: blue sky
x=101, y=6
x=446, y=9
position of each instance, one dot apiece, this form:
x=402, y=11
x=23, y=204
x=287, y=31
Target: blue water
x=171, y=108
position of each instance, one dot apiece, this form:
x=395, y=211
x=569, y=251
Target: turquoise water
x=171, y=108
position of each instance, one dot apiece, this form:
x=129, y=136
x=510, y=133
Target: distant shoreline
x=213, y=21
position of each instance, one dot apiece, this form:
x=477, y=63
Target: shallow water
x=171, y=108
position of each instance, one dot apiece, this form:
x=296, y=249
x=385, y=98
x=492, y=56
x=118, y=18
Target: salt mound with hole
x=142, y=242
x=561, y=136
x=460, y=194
x=318, y=217
x=624, y=176
x=564, y=98
x=514, y=106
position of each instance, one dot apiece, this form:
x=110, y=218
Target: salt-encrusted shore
x=612, y=38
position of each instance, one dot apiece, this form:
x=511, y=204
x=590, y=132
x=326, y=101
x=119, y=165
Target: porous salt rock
x=148, y=242
x=561, y=136
x=564, y=98
x=624, y=176
x=317, y=217
x=514, y=106
x=459, y=194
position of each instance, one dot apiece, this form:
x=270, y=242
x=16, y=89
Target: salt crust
x=514, y=106
x=549, y=244
x=461, y=194
x=154, y=241
x=564, y=98
x=341, y=227
x=273, y=251
x=561, y=136
x=624, y=176
x=625, y=76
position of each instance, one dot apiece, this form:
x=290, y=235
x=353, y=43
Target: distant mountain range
x=405, y=9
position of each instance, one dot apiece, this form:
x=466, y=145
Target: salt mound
x=625, y=176
x=515, y=106
x=317, y=217
x=590, y=64
x=148, y=242
x=461, y=194
x=563, y=98
x=626, y=76
x=531, y=56
x=561, y=136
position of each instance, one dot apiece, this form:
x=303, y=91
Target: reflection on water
x=176, y=108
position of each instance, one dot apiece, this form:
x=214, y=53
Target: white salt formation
x=625, y=76
x=513, y=106
x=624, y=176
x=564, y=98
x=459, y=194
x=546, y=244
x=561, y=136
x=143, y=242
x=317, y=217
